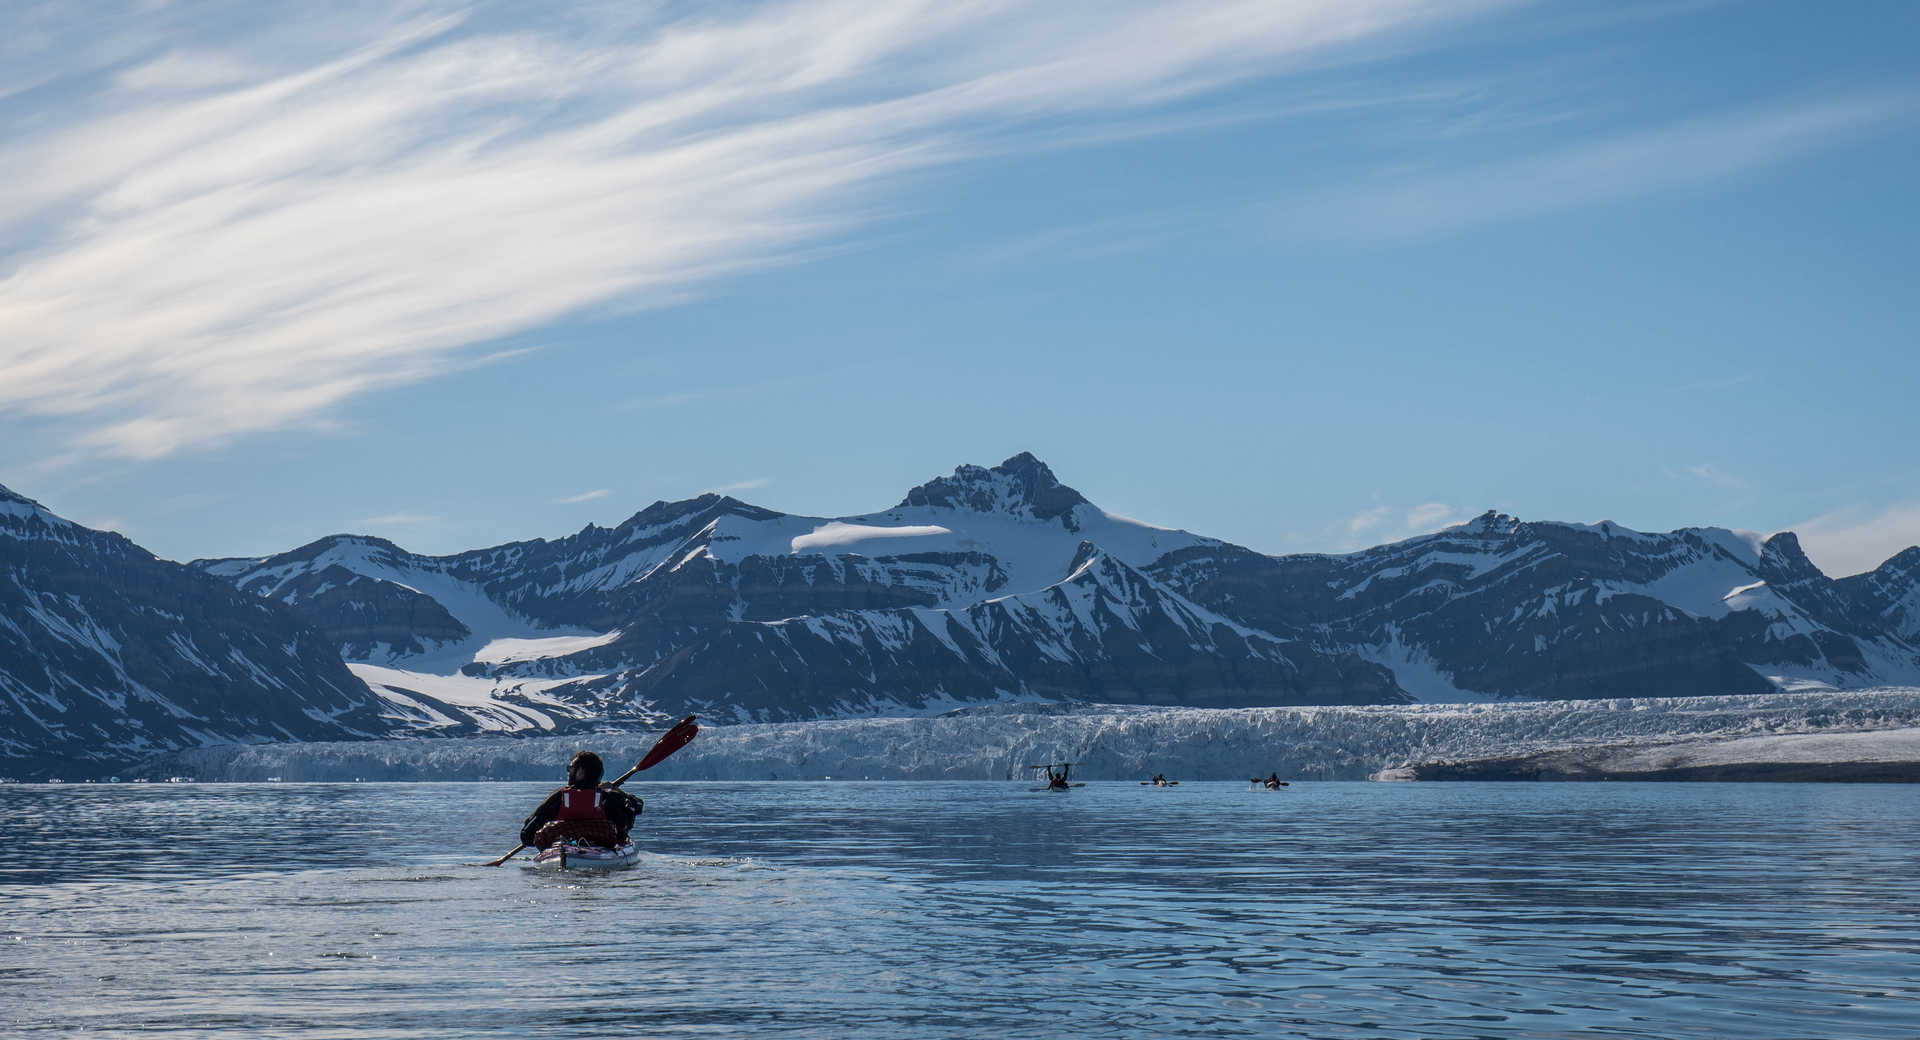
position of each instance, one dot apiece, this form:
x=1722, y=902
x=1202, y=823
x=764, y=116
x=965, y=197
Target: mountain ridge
x=1002, y=583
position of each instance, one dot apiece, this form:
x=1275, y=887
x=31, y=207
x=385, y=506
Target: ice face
x=1108, y=742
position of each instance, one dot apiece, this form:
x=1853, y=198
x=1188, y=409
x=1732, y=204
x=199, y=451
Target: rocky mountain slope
x=1512, y=609
x=108, y=654
x=989, y=585
x=1003, y=583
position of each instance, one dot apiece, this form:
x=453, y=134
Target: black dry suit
x=620, y=808
x=585, y=810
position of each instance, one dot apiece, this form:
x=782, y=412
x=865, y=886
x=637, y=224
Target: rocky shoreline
x=1881, y=756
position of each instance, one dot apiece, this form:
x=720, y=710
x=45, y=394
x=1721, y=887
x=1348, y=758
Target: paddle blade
x=678, y=737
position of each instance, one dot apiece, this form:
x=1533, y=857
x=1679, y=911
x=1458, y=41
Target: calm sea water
x=928, y=910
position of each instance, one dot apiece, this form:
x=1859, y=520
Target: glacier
x=1113, y=742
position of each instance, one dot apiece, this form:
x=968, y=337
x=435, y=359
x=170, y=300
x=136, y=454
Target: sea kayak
x=570, y=856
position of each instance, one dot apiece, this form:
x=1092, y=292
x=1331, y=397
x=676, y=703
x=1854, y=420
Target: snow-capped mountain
x=1004, y=584
x=1503, y=608
x=1888, y=597
x=107, y=653
x=990, y=585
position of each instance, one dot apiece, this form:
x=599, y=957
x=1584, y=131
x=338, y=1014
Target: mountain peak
x=1783, y=561
x=1022, y=485
x=371, y=546
x=1494, y=522
x=8, y=496
x=1086, y=553
x=26, y=511
x=1906, y=561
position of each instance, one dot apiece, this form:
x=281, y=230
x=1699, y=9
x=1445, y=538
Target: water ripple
x=941, y=910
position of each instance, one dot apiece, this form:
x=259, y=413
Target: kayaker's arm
x=622, y=808
x=673, y=740
x=541, y=816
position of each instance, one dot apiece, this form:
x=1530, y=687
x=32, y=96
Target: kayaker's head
x=585, y=770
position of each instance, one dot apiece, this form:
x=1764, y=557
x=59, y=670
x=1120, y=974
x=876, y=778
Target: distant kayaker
x=585, y=810
x=1272, y=781
x=1058, y=781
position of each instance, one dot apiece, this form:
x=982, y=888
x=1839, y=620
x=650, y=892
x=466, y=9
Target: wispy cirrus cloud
x=1593, y=172
x=1381, y=524
x=216, y=236
x=586, y=496
x=1428, y=517
x=1369, y=519
x=1713, y=476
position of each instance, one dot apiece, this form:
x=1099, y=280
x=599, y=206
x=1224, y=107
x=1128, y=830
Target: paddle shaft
x=676, y=738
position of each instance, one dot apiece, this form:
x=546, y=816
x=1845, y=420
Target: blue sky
x=1305, y=276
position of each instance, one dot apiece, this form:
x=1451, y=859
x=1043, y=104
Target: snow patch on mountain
x=1418, y=674
x=495, y=705
x=837, y=535
x=510, y=651
x=1895, y=662
x=1032, y=553
x=1702, y=589
x=1745, y=547
x=23, y=518
x=487, y=620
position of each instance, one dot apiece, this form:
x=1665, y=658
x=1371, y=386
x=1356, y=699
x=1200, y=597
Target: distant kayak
x=568, y=856
x=1056, y=776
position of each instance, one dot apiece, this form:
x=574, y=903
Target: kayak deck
x=568, y=855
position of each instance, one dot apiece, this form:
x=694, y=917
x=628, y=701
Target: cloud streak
x=226, y=237
x=1713, y=476
x=1380, y=525
x=1632, y=165
x=1857, y=538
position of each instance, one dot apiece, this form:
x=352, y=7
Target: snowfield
x=1108, y=742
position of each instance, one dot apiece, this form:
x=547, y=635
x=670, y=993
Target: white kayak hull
x=568, y=856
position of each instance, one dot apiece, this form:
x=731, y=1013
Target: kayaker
x=1057, y=781
x=585, y=810
x=1272, y=781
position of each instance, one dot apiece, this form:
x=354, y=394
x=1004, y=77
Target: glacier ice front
x=1110, y=742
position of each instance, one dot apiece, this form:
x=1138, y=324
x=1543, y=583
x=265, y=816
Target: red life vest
x=576, y=804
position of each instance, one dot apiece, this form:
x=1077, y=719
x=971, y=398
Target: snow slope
x=1033, y=553
x=980, y=539
x=965, y=592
